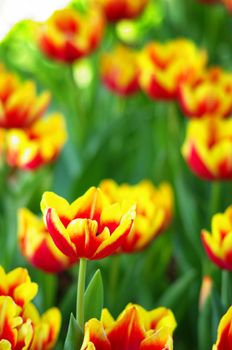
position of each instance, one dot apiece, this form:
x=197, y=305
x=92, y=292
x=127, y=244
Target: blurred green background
x=127, y=139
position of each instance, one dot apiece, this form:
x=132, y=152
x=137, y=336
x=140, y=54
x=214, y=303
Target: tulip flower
x=153, y=210
x=224, y=339
x=207, y=148
x=37, y=246
x=218, y=243
x=24, y=327
x=120, y=71
x=90, y=227
x=122, y=9
x=69, y=35
x=209, y=96
x=20, y=107
x=17, y=284
x=40, y=144
x=135, y=328
x=27, y=140
x=46, y=327
x=15, y=333
x=165, y=66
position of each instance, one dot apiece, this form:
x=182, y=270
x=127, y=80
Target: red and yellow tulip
x=135, y=328
x=218, y=243
x=15, y=333
x=27, y=140
x=154, y=208
x=224, y=336
x=122, y=9
x=89, y=227
x=40, y=144
x=165, y=65
x=69, y=35
x=37, y=246
x=120, y=70
x=20, y=107
x=209, y=96
x=21, y=326
x=207, y=148
x=17, y=284
x=46, y=327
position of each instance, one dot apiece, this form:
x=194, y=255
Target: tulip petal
x=160, y=340
x=83, y=234
x=112, y=243
x=127, y=332
x=95, y=336
x=25, y=292
x=212, y=249
x=52, y=200
x=59, y=233
x=90, y=205
x=224, y=336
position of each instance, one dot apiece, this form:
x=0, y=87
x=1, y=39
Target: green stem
x=80, y=292
x=214, y=198
x=225, y=288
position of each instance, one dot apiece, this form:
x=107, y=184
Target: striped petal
x=59, y=233
x=224, y=335
x=95, y=336
x=127, y=333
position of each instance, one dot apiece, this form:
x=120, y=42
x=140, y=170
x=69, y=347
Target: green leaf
x=94, y=297
x=67, y=304
x=217, y=311
x=177, y=291
x=74, y=337
x=204, y=330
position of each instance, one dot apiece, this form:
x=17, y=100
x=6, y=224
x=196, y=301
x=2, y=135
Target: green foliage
x=74, y=336
x=127, y=139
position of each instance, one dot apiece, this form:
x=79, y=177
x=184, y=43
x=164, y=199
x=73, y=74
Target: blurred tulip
x=40, y=144
x=122, y=9
x=207, y=148
x=228, y=4
x=88, y=228
x=224, y=339
x=218, y=243
x=69, y=35
x=37, y=245
x=17, y=284
x=120, y=70
x=19, y=105
x=165, y=66
x=26, y=140
x=211, y=95
x=154, y=208
x=15, y=332
x=29, y=329
x=135, y=328
x=46, y=327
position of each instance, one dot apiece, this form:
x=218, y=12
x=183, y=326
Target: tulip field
x=115, y=177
